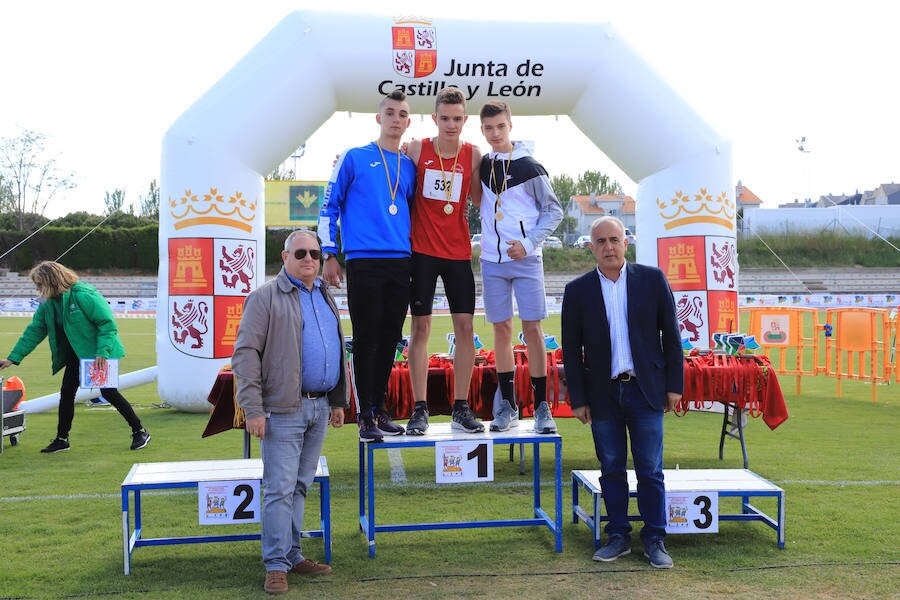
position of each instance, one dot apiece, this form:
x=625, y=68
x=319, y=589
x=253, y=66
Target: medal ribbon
x=387, y=173
x=448, y=185
x=505, y=171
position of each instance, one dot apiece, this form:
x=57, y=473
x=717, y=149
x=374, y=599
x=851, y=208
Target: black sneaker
x=139, y=439
x=386, y=425
x=463, y=419
x=418, y=422
x=57, y=445
x=369, y=432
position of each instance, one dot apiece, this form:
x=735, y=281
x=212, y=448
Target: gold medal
x=498, y=216
x=393, y=209
x=448, y=184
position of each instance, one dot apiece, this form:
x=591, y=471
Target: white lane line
x=839, y=483
x=398, y=471
x=548, y=483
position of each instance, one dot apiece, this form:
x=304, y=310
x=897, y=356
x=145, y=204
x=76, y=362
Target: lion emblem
x=190, y=321
x=237, y=267
x=722, y=261
x=690, y=316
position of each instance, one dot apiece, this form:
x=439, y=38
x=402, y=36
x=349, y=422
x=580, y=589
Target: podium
x=442, y=432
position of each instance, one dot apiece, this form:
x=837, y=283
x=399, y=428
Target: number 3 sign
x=696, y=512
x=223, y=502
x=459, y=462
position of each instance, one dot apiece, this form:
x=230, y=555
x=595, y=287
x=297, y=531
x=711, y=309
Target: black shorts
x=459, y=284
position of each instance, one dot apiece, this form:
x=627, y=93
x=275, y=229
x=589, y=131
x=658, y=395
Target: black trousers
x=378, y=298
x=67, y=402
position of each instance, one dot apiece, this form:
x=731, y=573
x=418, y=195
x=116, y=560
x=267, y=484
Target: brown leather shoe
x=276, y=582
x=310, y=567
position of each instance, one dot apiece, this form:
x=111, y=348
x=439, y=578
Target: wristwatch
x=326, y=256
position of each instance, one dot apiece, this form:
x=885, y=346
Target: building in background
x=584, y=209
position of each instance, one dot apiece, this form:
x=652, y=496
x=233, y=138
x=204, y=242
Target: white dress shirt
x=615, y=298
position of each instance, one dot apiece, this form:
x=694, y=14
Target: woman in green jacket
x=78, y=323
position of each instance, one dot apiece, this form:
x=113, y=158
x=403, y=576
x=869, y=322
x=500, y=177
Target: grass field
x=837, y=459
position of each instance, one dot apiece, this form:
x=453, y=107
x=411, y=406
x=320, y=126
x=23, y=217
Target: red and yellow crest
x=208, y=281
x=414, y=45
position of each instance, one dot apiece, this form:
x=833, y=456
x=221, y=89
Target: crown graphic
x=213, y=209
x=682, y=209
x=410, y=20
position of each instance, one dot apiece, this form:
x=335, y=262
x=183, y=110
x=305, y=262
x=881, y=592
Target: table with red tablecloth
x=743, y=384
x=748, y=381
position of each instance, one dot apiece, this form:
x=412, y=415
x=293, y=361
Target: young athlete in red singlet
x=445, y=170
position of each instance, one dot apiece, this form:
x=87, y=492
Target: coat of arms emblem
x=414, y=48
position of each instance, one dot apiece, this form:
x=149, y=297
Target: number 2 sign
x=223, y=502
x=463, y=461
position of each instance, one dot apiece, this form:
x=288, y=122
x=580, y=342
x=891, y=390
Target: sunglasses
x=313, y=254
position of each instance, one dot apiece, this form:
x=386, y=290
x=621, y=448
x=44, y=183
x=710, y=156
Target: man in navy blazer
x=624, y=369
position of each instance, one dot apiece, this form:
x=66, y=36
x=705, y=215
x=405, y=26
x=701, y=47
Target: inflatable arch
x=313, y=64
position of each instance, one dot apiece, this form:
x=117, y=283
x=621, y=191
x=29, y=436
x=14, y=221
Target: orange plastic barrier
x=786, y=334
x=860, y=346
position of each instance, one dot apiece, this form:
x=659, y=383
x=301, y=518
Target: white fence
x=858, y=220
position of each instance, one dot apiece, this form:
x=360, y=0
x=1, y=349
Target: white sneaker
x=543, y=420
x=506, y=417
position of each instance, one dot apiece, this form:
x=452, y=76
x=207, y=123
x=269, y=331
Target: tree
x=9, y=221
x=473, y=217
x=150, y=202
x=564, y=188
x=281, y=173
x=596, y=182
x=114, y=201
x=79, y=218
x=34, y=177
x=569, y=224
x=7, y=203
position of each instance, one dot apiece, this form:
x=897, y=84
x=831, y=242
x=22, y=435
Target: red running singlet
x=434, y=232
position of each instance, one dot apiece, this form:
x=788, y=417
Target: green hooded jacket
x=88, y=324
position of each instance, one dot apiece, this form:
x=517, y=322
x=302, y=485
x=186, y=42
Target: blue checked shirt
x=322, y=345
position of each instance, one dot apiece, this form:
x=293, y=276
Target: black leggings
x=67, y=402
x=378, y=297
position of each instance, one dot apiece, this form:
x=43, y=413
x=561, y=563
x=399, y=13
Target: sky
x=104, y=80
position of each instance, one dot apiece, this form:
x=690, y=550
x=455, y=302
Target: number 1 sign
x=463, y=461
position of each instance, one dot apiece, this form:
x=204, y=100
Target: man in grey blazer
x=624, y=368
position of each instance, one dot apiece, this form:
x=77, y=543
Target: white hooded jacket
x=530, y=209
